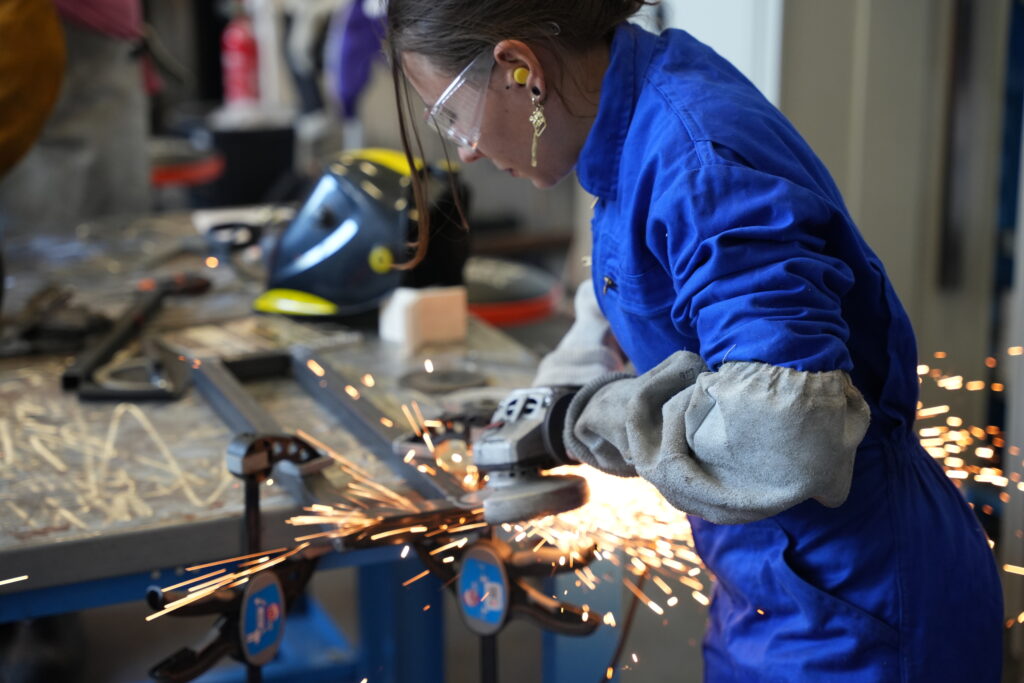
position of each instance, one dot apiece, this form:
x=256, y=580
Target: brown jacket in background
x=31, y=67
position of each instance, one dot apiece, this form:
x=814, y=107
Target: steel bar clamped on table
x=221, y=384
x=363, y=420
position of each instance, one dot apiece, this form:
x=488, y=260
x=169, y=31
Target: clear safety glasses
x=459, y=110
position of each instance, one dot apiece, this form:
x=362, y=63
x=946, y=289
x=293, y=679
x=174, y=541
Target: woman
x=776, y=381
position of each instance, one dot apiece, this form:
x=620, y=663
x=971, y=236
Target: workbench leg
x=401, y=641
x=576, y=658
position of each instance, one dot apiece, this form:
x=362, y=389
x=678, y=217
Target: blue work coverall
x=719, y=232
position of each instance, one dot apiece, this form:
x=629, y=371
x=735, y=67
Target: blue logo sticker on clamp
x=262, y=618
x=483, y=590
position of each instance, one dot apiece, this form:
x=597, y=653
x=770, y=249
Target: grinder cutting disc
x=517, y=497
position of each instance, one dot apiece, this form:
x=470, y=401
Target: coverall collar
x=598, y=165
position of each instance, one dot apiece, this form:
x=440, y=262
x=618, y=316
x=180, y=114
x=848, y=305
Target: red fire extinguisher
x=239, y=60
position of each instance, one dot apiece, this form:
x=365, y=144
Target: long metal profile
x=364, y=421
x=221, y=384
x=222, y=389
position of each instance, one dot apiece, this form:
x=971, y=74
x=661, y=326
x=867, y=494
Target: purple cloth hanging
x=354, y=40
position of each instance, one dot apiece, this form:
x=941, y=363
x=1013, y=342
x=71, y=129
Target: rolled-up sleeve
x=748, y=253
x=773, y=418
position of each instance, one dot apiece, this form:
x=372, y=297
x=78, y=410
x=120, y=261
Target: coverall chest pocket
x=647, y=294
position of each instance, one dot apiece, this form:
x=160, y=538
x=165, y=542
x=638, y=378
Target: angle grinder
x=524, y=439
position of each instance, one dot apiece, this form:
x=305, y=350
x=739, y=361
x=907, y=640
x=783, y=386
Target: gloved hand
x=732, y=446
x=585, y=352
x=628, y=406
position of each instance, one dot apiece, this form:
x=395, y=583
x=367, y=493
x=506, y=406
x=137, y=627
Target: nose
x=469, y=155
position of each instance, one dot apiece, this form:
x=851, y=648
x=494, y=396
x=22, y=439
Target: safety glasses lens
x=459, y=110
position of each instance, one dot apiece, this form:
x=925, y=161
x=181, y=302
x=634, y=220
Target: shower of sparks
x=16, y=579
x=971, y=453
x=448, y=546
x=362, y=484
x=362, y=495
x=234, y=559
x=397, y=532
x=197, y=579
x=966, y=452
x=224, y=581
x=627, y=522
x=416, y=578
x=642, y=597
x=412, y=421
x=419, y=414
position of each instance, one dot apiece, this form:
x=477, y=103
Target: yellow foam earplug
x=520, y=75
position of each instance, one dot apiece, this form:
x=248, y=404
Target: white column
x=746, y=32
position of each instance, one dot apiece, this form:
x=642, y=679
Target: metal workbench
x=99, y=500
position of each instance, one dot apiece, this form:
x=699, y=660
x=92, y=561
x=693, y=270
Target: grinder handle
x=554, y=425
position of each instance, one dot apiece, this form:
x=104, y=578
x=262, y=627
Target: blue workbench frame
x=399, y=643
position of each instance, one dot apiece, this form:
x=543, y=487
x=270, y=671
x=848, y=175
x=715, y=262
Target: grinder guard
x=525, y=438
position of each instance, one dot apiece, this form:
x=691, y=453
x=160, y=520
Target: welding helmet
x=336, y=257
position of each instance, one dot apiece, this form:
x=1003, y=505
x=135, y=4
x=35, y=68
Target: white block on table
x=430, y=315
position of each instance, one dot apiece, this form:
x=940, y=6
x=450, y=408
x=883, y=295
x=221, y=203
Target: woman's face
x=506, y=134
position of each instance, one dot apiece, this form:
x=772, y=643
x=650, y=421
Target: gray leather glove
x=732, y=446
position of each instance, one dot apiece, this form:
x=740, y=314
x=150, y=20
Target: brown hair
x=451, y=33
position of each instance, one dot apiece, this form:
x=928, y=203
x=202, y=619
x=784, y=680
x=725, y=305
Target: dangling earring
x=539, y=123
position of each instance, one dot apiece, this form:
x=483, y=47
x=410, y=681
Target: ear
x=511, y=55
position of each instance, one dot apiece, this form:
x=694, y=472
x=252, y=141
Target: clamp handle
x=187, y=663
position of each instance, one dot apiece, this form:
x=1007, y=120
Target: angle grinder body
x=523, y=440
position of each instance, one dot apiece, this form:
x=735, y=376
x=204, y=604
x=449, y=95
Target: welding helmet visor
x=459, y=111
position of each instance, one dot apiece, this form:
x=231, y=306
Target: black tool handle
x=124, y=328
x=188, y=664
x=129, y=323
